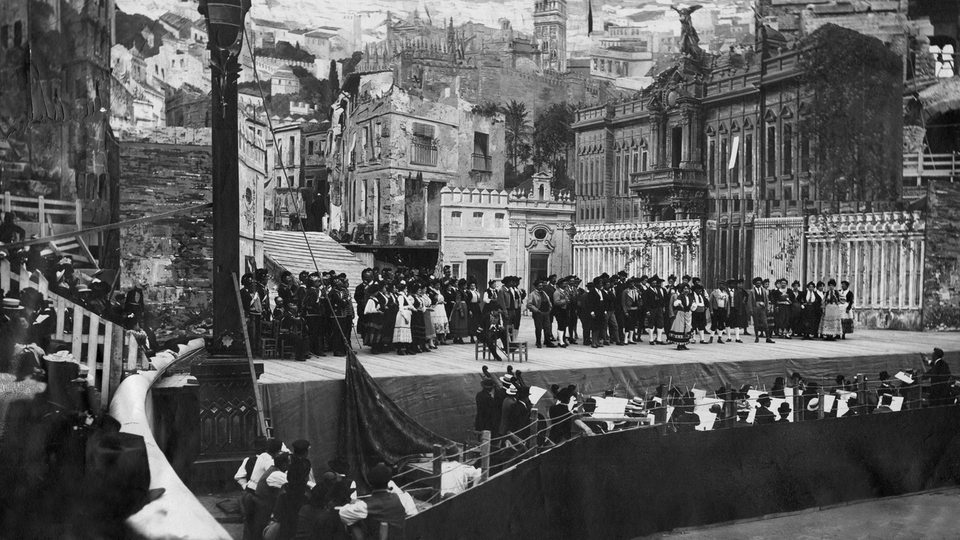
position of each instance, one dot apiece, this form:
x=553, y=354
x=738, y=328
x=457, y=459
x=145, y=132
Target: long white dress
x=401, y=328
x=438, y=313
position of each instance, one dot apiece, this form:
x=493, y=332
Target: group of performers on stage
x=312, y=314
x=616, y=309
x=409, y=312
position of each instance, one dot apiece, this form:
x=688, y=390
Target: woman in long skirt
x=782, y=309
x=429, y=330
x=473, y=309
x=373, y=315
x=833, y=311
x=459, y=323
x=682, y=326
x=402, y=337
x=438, y=312
x=418, y=327
x=795, y=294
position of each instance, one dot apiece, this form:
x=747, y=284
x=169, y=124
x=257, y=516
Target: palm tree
x=518, y=131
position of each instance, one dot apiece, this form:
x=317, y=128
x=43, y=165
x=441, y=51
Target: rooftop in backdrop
x=286, y=250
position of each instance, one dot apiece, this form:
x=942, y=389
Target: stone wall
x=941, y=279
x=174, y=255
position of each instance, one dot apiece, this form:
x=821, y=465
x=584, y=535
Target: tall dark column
x=225, y=27
x=226, y=201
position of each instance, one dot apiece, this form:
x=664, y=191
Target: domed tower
x=550, y=28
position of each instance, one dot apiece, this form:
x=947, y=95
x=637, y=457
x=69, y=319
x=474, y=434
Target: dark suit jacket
x=655, y=298
x=758, y=302
x=488, y=413
x=507, y=300
x=593, y=303
x=764, y=416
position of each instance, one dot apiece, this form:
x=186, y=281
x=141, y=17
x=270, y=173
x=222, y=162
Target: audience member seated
x=320, y=517
x=380, y=506
x=455, y=477
x=265, y=497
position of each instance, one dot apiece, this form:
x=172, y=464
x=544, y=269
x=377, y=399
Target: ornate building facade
x=713, y=171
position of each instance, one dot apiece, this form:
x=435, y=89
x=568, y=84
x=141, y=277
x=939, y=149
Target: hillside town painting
x=257, y=258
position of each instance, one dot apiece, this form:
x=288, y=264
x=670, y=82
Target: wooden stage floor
x=459, y=359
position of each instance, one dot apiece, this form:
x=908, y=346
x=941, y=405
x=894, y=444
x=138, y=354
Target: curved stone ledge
x=177, y=514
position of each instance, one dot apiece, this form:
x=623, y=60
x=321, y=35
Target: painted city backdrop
x=725, y=139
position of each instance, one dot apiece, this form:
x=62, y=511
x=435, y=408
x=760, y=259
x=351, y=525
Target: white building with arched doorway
x=541, y=230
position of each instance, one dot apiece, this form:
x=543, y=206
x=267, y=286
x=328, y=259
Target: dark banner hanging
x=373, y=428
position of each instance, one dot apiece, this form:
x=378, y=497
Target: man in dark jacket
x=764, y=414
x=593, y=308
x=655, y=299
x=939, y=375
x=488, y=408
x=381, y=506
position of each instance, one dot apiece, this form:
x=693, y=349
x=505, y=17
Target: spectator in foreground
x=455, y=477
x=488, y=408
x=320, y=517
x=939, y=375
x=764, y=414
x=381, y=506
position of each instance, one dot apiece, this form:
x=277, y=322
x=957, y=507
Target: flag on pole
x=589, y=17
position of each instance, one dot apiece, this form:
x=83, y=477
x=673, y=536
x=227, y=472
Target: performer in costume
x=459, y=315
x=474, y=309
x=402, y=337
x=833, y=311
x=683, y=306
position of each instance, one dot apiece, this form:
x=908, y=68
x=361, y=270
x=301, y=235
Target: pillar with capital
x=224, y=20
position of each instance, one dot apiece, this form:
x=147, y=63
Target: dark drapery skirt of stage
x=626, y=484
x=445, y=405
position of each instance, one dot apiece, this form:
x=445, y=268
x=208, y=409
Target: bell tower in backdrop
x=550, y=28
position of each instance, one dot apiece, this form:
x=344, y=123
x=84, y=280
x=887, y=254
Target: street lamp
x=225, y=30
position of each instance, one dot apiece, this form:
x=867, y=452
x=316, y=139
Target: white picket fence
x=110, y=349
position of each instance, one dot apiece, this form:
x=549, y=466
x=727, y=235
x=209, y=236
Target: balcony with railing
x=423, y=153
x=659, y=179
x=481, y=162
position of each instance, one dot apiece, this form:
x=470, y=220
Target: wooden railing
x=921, y=166
x=36, y=214
x=102, y=345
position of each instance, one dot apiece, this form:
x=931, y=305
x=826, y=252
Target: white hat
x=12, y=303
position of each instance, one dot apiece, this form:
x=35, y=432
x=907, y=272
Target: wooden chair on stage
x=515, y=351
x=268, y=339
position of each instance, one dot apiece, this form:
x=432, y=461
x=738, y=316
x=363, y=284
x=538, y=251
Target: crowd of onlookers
x=505, y=410
x=282, y=499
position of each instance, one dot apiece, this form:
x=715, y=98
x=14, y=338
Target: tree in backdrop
x=350, y=64
x=856, y=113
x=334, y=78
x=316, y=92
x=552, y=139
x=517, y=133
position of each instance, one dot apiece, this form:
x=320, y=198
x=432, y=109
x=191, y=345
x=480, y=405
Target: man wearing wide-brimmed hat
x=655, y=300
